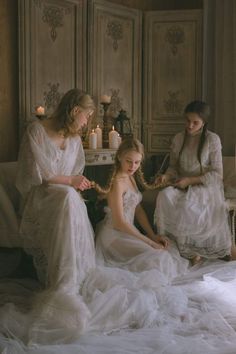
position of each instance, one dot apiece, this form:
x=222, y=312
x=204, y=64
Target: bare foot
x=195, y=260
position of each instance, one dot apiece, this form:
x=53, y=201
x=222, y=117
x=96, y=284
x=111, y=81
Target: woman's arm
x=78, y=182
x=214, y=171
x=142, y=219
x=115, y=202
x=184, y=182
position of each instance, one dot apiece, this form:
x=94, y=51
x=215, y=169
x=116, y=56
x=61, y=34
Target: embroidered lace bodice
x=188, y=164
x=131, y=199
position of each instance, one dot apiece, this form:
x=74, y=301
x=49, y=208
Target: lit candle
x=119, y=139
x=40, y=111
x=113, y=139
x=105, y=99
x=93, y=140
x=98, y=131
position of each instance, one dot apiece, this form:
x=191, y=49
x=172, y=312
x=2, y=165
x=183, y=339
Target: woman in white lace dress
x=134, y=268
x=119, y=242
x=192, y=210
x=55, y=227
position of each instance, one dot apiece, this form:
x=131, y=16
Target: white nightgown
x=120, y=292
x=133, y=304
x=55, y=227
x=196, y=217
x=134, y=311
x=126, y=251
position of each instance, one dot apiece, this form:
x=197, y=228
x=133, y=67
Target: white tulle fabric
x=139, y=311
x=137, y=300
x=116, y=249
x=56, y=231
x=197, y=217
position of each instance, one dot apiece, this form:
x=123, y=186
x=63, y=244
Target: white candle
x=40, y=111
x=113, y=139
x=105, y=99
x=93, y=140
x=119, y=139
x=98, y=131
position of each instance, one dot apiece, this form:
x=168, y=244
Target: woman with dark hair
x=192, y=210
x=55, y=227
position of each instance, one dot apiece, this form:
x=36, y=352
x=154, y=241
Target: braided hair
x=202, y=109
x=128, y=144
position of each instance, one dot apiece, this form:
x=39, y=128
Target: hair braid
x=141, y=180
x=105, y=190
x=201, y=144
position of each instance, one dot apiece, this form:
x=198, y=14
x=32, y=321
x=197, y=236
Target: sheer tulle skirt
x=196, y=219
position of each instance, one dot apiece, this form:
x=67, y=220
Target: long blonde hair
x=129, y=144
x=62, y=114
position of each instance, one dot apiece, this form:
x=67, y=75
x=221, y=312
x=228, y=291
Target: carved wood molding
x=115, y=31
x=175, y=36
x=52, y=96
x=53, y=16
x=173, y=104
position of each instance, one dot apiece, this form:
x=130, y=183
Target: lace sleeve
x=214, y=173
x=28, y=173
x=80, y=161
x=174, y=155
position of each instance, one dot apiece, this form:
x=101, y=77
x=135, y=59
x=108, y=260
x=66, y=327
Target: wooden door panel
x=115, y=57
x=172, y=73
x=52, y=45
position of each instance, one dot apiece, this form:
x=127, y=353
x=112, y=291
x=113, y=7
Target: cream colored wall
x=9, y=81
x=9, y=92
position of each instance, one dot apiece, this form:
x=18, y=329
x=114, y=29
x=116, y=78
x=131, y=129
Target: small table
x=98, y=157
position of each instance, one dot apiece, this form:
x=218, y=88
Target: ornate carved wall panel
x=172, y=73
x=115, y=57
x=52, y=45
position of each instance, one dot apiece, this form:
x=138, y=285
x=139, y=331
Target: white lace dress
x=114, y=248
x=134, y=308
x=55, y=228
x=197, y=217
x=131, y=279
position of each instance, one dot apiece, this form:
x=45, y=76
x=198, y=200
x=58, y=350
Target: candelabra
x=105, y=133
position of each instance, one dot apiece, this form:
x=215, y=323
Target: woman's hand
x=183, y=183
x=80, y=182
x=163, y=241
x=162, y=179
x=159, y=242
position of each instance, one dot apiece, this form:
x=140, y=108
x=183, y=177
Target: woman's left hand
x=182, y=183
x=164, y=241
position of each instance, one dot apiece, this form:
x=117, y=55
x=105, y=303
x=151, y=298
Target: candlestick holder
x=105, y=133
x=41, y=116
